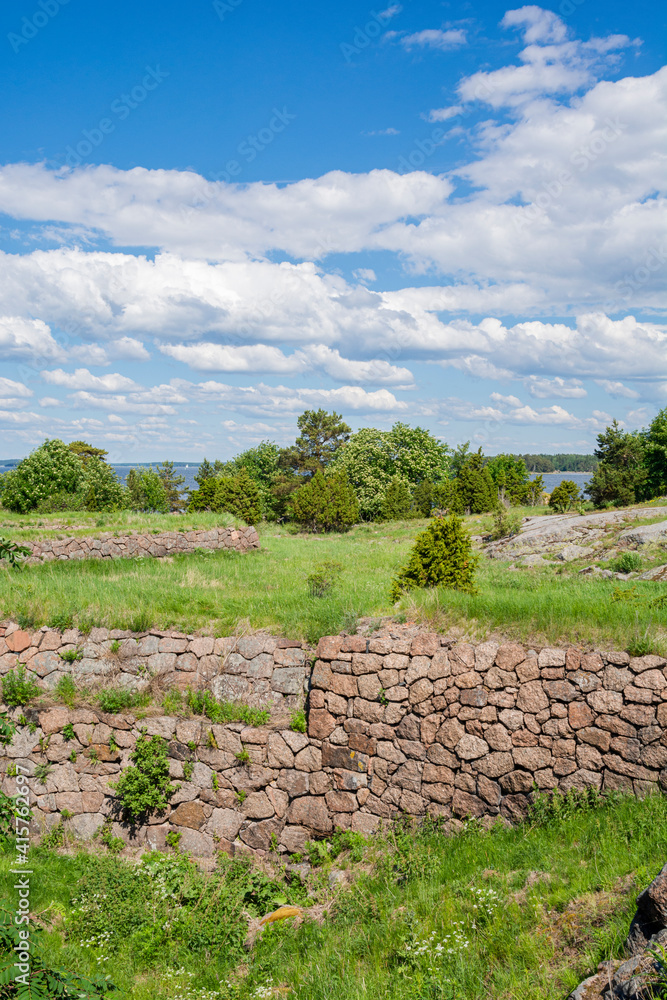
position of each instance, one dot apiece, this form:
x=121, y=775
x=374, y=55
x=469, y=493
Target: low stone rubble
x=167, y=543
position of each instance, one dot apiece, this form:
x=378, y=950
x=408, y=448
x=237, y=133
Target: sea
x=553, y=479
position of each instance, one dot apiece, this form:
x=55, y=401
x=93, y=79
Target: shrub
x=505, y=525
x=205, y=498
x=11, y=552
x=326, y=503
x=18, y=688
x=476, y=490
x=71, y=655
x=66, y=690
x=146, y=491
x=627, y=562
x=101, y=488
x=397, y=502
x=144, y=787
x=42, y=980
x=323, y=578
x=564, y=496
x=442, y=556
x=51, y=468
x=239, y=495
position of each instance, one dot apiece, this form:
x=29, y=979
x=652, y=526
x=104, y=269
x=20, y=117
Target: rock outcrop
x=635, y=977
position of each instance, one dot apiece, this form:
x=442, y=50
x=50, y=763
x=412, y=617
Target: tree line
x=331, y=478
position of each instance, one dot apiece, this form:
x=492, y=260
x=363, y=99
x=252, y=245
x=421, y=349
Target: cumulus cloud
x=552, y=64
x=84, y=379
x=10, y=388
x=264, y=359
x=546, y=388
x=617, y=389
x=510, y=410
x=276, y=400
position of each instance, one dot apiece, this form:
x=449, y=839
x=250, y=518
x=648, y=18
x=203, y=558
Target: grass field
x=512, y=914
x=31, y=527
x=215, y=592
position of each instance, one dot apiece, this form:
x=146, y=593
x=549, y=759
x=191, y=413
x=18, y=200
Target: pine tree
x=475, y=487
x=171, y=483
x=442, y=556
x=322, y=434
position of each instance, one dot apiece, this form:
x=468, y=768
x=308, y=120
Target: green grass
x=538, y=905
x=216, y=592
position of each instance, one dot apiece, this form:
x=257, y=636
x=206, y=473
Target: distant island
x=560, y=463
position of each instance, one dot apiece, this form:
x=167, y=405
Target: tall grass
x=268, y=588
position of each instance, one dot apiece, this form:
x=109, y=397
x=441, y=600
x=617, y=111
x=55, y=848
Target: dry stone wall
x=420, y=725
x=259, y=670
x=166, y=543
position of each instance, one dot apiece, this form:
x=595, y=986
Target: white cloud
x=547, y=388
x=386, y=15
x=277, y=400
x=510, y=410
x=23, y=339
x=8, y=387
x=551, y=63
x=383, y=131
x=83, y=379
x=512, y=401
x=617, y=389
x=365, y=274
x=539, y=25
x=444, y=114
x=435, y=38
x=261, y=358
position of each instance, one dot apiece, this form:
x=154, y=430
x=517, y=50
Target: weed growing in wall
x=18, y=688
x=144, y=787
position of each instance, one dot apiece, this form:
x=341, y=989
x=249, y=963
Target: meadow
x=272, y=588
x=519, y=913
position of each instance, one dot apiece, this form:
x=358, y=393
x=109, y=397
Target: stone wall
x=417, y=724
x=259, y=670
x=167, y=543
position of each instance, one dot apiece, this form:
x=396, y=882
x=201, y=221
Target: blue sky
x=216, y=215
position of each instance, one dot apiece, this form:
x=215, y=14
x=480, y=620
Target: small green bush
x=505, y=525
x=397, y=502
x=627, y=562
x=71, y=655
x=297, y=723
x=565, y=496
x=66, y=690
x=322, y=579
x=442, y=556
x=18, y=688
x=144, y=787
